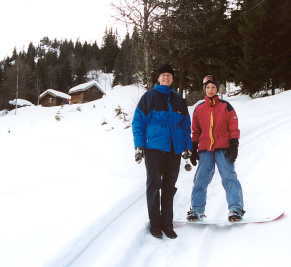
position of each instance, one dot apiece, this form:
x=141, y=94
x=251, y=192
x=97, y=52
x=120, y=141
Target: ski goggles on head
x=208, y=78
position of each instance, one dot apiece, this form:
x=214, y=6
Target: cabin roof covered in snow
x=55, y=93
x=20, y=102
x=85, y=86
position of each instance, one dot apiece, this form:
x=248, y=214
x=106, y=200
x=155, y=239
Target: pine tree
x=192, y=37
x=94, y=57
x=30, y=55
x=259, y=28
x=125, y=68
x=80, y=75
x=2, y=91
x=138, y=56
x=14, y=54
x=278, y=27
x=232, y=53
x=145, y=16
x=64, y=72
x=109, y=51
x=64, y=77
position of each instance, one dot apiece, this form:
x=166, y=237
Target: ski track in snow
x=87, y=239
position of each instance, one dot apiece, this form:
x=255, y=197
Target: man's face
x=211, y=89
x=165, y=79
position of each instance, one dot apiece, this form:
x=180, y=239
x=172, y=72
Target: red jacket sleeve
x=196, y=130
x=233, y=125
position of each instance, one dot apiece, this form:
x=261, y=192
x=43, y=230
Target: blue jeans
x=204, y=175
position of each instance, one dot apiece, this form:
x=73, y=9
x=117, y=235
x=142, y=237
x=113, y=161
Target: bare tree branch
x=145, y=15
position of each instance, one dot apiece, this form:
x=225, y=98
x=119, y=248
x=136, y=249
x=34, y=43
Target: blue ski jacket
x=161, y=121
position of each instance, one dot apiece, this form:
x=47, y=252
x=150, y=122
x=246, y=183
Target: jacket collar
x=163, y=89
x=211, y=101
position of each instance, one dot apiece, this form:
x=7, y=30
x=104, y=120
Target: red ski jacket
x=214, y=123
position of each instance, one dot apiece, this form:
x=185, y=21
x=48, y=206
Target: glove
x=186, y=154
x=138, y=154
x=194, y=157
x=232, y=151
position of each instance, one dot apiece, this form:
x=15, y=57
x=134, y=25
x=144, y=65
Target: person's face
x=211, y=89
x=165, y=79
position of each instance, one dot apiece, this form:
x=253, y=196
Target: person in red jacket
x=215, y=136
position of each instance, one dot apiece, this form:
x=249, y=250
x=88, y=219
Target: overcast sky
x=22, y=21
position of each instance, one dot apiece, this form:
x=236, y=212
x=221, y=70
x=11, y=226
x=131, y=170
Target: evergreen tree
x=278, y=27
x=2, y=91
x=232, y=53
x=109, y=50
x=138, y=56
x=64, y=76
x=124, y=68
x=264, y=28
x=253, y=65
x=14, y=55
x=80, y=75
x=30, y=55
x=93, y=62
x=64, y=72
x=192, y=38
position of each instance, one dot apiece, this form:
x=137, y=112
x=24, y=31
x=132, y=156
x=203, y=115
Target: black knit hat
x=166, y=68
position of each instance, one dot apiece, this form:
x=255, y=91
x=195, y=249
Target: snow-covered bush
x=121, y=114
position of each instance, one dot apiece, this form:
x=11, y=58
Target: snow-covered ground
x=72, y=195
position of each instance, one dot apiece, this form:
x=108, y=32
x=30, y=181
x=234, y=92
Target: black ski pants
x=162, y=172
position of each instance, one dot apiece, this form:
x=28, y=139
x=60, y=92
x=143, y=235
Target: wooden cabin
x=86, y=92
x=52, y=97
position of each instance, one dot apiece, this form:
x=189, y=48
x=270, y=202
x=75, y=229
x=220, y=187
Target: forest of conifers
x=245, y=41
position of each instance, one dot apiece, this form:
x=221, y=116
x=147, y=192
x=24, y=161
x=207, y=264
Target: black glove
x=139, y=154
x=232, y=151
x=186, y=154
x=194, y=157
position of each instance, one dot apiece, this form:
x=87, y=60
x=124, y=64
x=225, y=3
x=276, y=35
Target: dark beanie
x=165, y=69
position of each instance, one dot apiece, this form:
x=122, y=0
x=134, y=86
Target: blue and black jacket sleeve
x=139, y=123
x=187, y=126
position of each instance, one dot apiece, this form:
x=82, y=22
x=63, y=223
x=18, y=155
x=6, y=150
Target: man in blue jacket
x=162, y=132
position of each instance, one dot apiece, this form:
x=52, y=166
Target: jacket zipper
x=211, y=124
